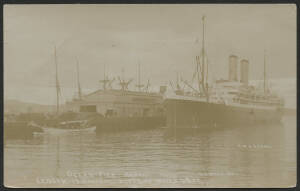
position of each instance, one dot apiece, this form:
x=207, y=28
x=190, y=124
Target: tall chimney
x=244, y=71
x=233, y=64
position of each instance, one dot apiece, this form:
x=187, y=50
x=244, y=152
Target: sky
x=164, y=39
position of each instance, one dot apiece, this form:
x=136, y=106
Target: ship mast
x=105, y=79
x=57, y=82
x=78, y=81
x=177, y=81
x=203, y=79
x=139, y=85
x=139, y=77
x=198, y=71
x=265, y=75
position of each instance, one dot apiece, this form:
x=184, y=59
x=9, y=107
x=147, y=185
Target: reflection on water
x=260, y=156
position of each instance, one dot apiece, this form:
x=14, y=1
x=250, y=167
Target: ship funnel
x=244, y=71
x=233, y=65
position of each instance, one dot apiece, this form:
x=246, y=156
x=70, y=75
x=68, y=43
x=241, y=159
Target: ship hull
x=55, y=130
x=198, y=114
x=129, y=123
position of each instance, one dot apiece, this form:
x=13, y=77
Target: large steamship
x=231, y=101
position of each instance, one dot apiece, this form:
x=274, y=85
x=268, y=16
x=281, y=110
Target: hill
x=15, y=106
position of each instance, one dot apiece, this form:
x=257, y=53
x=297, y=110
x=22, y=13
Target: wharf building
x=119, y=103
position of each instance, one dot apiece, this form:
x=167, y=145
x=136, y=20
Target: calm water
x=261, y=156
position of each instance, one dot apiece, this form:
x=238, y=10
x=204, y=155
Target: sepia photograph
x=150, y=95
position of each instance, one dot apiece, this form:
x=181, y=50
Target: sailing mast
x=78, y=81
x=177, y=81
x=265, y=75
x=57, y=83
x=104, y=78
x=198, y=70
x=139, y=77
x=203, y=80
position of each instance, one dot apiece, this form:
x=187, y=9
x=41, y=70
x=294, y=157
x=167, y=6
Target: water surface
x=259, y=156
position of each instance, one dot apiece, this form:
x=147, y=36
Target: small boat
x=58, y=126
x=70, y=126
